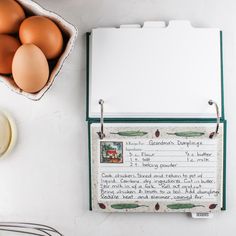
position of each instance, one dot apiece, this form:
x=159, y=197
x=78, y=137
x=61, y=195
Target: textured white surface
x=45, y=179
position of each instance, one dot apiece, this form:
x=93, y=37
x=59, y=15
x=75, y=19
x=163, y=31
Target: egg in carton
x=69, y=33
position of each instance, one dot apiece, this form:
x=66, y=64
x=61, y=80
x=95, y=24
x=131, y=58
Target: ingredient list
x=163, y=170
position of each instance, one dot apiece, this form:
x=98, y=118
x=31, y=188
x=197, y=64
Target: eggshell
x=30, y=68
x=8, y=47
x=11, y=16
x=44, y=33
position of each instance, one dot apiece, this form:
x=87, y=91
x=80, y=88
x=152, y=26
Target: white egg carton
x=65, y=27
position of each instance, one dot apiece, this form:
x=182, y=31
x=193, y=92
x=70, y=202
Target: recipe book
x=155, y=111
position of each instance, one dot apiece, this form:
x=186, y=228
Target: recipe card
x=157, y=167
x=169, y=71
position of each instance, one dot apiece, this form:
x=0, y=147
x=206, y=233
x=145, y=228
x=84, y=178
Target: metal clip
x=213, y=134
x=101, y=133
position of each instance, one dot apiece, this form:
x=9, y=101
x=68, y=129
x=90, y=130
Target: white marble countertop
x=45, y=179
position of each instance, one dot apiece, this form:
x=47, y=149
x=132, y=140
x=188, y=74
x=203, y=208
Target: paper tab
x=154, y=24
x=130, y=26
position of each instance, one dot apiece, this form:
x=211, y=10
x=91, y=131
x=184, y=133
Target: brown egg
x=44, y=33
x=8, y=47
x=11, y=16
x=30, y=68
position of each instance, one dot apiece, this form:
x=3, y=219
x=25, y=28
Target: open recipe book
x=157, y=132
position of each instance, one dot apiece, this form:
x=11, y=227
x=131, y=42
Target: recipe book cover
x=163, y=144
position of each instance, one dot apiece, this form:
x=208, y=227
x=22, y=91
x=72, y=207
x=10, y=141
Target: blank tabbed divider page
x=155, y=72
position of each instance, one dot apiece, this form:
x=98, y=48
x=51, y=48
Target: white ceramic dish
x=69, y=33
x=13, y=133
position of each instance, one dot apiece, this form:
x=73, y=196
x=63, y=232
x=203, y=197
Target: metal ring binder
x=101, y=133
x=211, y=102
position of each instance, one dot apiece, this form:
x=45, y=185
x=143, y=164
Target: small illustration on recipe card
x=111, y=152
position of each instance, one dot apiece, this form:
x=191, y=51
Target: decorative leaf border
x=187, y=134
x=157, y=206
x=131, y=133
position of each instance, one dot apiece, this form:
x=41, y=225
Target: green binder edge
x=157, y=120
x=222, y=76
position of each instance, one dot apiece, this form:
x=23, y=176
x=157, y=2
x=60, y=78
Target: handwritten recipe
x=160, y=167
x=167, y=169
